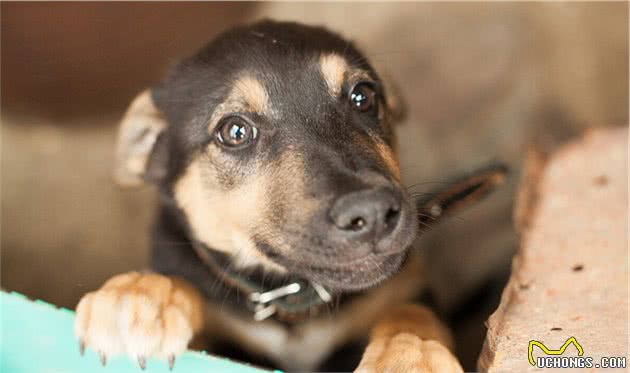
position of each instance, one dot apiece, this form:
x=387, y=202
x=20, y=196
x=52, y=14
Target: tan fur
x=333, y=68
x=414, y=319
x=138, y=131
x=252, y=93
x=407, y=352
x=247, y=94
x=409, y=338
x=388, y=156
x=140, y=315
x=382, y=150
x=303, y=347
x=285, y=189
x=227, y=219
x=223, y=219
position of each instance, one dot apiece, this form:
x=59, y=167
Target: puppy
x=283, y=227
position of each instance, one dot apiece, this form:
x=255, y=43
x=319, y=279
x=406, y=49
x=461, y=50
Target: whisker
x=428, y=216
x=408, y=187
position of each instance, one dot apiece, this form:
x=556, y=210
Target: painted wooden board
x=37, y=337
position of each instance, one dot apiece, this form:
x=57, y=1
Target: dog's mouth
x=352, y=263
x=362, y=274
x=355, y=275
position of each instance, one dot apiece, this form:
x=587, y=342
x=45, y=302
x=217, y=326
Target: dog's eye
x=235, y=132
x=363, y=97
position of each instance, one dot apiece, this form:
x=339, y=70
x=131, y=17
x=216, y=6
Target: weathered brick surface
x=570, y=275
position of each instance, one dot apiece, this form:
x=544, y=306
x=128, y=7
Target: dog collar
x=286, y=298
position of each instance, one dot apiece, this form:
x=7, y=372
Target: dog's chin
x=358, y=275
x=338, y=271
x=363, y=274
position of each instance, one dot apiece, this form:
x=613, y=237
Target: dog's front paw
x=141, y=315
x=406, y=352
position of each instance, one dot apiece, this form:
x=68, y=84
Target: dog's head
x=276, y=141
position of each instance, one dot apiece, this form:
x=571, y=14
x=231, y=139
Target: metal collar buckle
x=261, y=301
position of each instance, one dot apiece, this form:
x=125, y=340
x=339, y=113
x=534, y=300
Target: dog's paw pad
x=139, y=315
x=405, y=352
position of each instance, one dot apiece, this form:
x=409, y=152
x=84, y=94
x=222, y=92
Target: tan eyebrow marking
x=333, y=68
x=247, y=94
x=249, y=90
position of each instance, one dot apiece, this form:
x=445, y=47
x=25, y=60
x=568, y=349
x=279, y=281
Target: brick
x=570, y=274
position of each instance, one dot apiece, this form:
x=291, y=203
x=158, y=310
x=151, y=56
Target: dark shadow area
x=66, y=60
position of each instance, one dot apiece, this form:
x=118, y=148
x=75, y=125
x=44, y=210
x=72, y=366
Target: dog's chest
x=300, y=347
x=305, y=345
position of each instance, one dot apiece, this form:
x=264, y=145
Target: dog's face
x=276, y=142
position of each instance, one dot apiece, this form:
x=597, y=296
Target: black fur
x=330, y=135
x=335, y=141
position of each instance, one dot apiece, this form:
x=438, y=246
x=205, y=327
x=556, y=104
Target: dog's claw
x=103, y=358
x=142, y=361
x=171, y=361
x=82, y=347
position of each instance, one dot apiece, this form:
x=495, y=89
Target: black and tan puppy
x=283, y=227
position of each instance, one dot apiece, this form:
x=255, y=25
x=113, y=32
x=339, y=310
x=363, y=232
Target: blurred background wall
x=482, y=82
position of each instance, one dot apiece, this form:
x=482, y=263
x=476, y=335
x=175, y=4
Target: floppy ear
x=138, y=135
x=460, y=194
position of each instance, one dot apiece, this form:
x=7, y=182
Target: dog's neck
x=284, y=297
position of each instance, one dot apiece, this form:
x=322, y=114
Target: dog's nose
x=366, y=215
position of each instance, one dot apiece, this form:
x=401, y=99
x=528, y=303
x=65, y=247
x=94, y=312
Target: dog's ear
x=139, y=134
x=460, y=194
x=394, y=102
